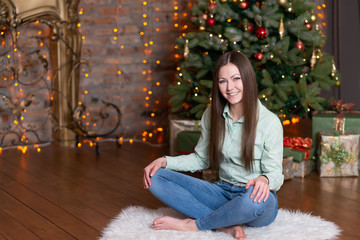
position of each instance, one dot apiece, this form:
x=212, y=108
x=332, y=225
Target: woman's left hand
x=261, y=189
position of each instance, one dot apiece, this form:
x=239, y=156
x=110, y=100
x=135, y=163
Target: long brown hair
x=218, y=102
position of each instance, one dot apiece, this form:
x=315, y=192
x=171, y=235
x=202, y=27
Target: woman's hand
x=261, y=189
x=151, y=169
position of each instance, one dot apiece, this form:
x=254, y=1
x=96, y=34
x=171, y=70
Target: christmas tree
x=281, y=38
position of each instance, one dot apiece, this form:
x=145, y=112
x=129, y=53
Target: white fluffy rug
x=134, y=223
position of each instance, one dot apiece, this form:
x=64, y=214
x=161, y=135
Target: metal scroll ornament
x=40, y=72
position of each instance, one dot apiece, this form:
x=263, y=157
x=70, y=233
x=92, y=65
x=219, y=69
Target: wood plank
x=2, y=237
x=309, y=195
x=115, y=171
x=50, y=173
x=12, y=229
x=87, y=176
x=79, y=173
x=24, y=214
x=69, y=178
x=79, y=217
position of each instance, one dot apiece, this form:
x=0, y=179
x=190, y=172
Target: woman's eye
x=237, y=78
x=221, y=81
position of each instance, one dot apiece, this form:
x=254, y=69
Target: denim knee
x=267, y=214
x=157, y=178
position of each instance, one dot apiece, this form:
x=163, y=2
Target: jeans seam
x=195, y=186
x=197, y=222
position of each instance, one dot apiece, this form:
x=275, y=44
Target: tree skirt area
x=136, y=223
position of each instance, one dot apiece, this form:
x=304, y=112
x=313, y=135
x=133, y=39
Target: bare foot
x=235, y=231
x=170, y=223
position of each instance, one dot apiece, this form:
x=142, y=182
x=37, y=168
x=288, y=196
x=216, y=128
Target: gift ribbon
x=339, y=124
x=341, y=108
x=298, y=143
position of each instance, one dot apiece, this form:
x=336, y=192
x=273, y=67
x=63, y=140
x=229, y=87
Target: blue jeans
x=213, y=205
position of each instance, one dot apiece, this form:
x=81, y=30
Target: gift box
x=287, y=167
x=325, y=121
x=298, y=148
x=301, y=169
x=179, y=125
x=186, y=141
x=338, y=154
x=298, y=155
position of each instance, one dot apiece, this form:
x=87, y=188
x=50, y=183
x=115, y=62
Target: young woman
x=242, y=141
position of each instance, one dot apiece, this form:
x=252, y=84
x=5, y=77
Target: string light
x=147, y=33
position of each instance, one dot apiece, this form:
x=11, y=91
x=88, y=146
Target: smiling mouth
x=233, y=94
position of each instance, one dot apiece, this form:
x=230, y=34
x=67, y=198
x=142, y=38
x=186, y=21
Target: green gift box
x=324, y=121
x=298, y=155
x=186, y=141
x=177, y=126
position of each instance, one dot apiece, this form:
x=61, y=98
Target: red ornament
x=211, y=6
x=186, y=106
x=300, y=45
x=259, y=56
x=246, y=26
x=262, y=33
x=210, y=21
x=244, y=4
x=308, y=25
x=250, y=27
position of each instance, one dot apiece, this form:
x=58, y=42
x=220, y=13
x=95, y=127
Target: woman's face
x=231, y=84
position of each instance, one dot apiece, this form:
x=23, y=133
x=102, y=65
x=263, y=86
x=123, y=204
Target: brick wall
x=132, y=63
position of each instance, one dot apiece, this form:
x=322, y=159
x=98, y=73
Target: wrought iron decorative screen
x=40, y=57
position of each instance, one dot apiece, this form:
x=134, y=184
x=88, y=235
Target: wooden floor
x=66, y=193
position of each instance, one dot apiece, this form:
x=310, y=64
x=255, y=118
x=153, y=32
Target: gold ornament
x=202, y=28
x=319, y=55
x=338, y=83
x=282, y=2
x=186, y=49
x=281, y=29
x=333, y=69
x=313, y=59
x=313, y=17
x=290, y=8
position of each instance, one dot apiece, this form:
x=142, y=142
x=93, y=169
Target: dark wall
x=343, y=41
